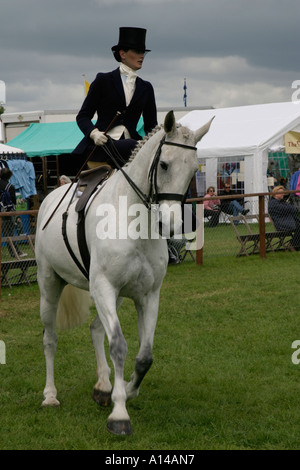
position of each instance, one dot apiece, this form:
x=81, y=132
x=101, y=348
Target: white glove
x=98, y=137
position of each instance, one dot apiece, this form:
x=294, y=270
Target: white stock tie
x=129, y=84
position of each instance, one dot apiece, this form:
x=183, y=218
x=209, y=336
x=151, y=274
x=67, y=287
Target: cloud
x=112, y=3
x=38, y=96
x=231, y=51
x=218, y=81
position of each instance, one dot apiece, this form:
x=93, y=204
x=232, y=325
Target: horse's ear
x=169, y=124
x=203, y=130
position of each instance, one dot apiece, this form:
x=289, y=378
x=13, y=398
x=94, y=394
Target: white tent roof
x=8, y=149
x=244, y=130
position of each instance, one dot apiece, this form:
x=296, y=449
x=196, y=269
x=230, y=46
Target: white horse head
x=176, y=167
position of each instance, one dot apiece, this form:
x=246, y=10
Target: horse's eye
x=164, y=165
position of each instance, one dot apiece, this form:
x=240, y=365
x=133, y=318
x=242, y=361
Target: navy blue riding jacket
x=105, y=97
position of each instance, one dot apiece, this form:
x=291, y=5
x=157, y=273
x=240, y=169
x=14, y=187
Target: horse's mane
x=185, y=131
x=141, y=144
x=154, y=131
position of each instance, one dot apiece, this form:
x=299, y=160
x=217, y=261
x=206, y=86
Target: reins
x=147, y=200
x=138, y=191
x=153, y=191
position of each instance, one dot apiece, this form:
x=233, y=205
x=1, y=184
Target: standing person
x=119, y=91
x=9, y=223
x=284, y=215
x=212, y=207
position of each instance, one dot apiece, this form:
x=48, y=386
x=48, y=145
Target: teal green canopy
x=53, y=138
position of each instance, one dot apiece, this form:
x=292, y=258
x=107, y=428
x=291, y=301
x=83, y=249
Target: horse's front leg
x=118, y=421
x=147, y=309
x=103, y=387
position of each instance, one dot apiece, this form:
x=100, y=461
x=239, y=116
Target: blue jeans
x=235, y=207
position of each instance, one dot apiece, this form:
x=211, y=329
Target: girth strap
x=84, y=252
x=66, y=240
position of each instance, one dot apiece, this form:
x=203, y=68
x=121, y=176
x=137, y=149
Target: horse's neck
x=138, y=169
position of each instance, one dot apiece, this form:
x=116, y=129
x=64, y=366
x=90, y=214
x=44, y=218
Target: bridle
x=154, y=196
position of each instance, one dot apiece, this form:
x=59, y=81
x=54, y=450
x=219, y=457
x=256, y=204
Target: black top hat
x=131, y=38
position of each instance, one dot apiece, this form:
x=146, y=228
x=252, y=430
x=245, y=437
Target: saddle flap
x=89, y=180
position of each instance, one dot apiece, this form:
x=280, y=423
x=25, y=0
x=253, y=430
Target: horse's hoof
x=101, y=398
x=121, y=428
x=50, y=402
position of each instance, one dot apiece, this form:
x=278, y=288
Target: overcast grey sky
x=231, y=52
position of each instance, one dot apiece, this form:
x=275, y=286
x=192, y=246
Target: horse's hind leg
x=103, y=387
x=50, y=289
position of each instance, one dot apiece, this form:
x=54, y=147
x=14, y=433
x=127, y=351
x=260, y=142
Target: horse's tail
x=73, y=307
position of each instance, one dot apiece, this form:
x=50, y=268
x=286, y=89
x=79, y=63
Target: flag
x=86, y=85
x=184, y=95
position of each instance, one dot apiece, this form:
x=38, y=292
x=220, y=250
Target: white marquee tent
x=7, y=149
x=250, y=132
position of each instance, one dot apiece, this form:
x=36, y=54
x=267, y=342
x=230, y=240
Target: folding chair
x=180, y=248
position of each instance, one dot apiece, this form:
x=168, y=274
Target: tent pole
x=44, y=164
x=57, y=170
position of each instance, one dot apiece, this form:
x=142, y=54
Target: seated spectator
x=231, y=206
x=212, y=207
x=284, y=215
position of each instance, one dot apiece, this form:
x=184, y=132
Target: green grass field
x=218, y=241
x=222, y=377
